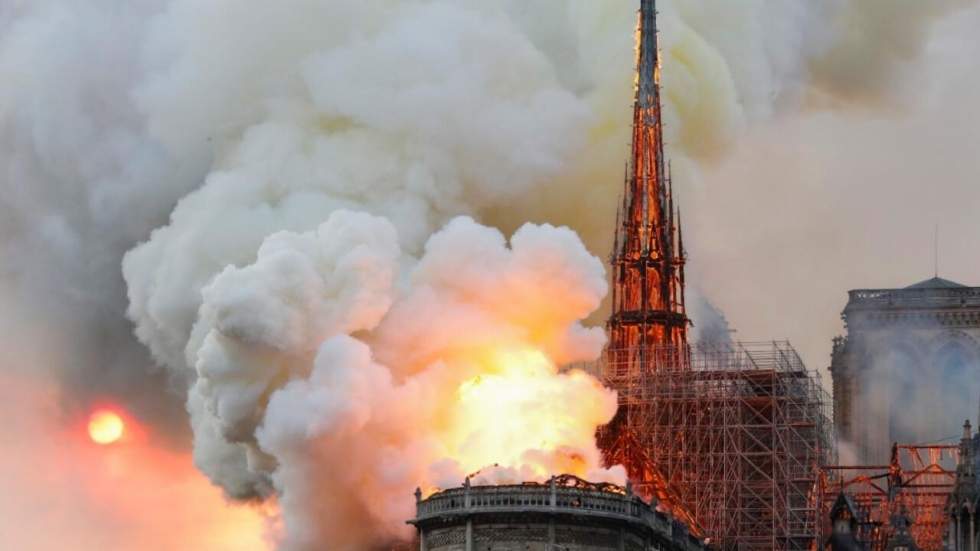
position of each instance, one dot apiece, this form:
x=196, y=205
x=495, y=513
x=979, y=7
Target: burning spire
x=648, y=324
x=648, y=260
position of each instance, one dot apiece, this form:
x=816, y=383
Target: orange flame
x=521, y=414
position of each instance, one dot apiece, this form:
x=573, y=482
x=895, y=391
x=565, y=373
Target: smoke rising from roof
x=325, y=373
x=253, y=119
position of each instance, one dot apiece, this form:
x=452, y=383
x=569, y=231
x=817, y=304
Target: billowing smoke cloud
x=320, y=368
x=874, y=42
x=383, y=121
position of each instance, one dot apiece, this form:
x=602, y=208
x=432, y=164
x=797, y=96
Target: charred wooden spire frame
x=648, y=259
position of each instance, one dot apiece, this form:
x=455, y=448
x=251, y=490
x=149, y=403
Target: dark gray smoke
x=82, y=181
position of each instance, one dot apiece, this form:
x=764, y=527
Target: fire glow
x=519, y=414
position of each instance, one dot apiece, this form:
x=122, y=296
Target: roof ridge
x=937, y=283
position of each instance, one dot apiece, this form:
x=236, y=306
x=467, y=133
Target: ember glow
x=105, y=427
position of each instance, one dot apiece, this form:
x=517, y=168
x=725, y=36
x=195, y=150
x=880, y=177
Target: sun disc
x=105, y=427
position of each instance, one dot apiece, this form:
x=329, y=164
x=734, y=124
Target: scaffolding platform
x=732, y=435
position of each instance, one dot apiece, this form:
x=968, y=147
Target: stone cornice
x=872, y=319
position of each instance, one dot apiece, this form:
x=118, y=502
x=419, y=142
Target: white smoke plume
x=360, y=129
x=473, y=329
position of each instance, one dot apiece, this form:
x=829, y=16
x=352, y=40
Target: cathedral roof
x=937, y=283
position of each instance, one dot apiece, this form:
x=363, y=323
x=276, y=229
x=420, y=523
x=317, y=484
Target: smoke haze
x=63, y=492
x=301, y=167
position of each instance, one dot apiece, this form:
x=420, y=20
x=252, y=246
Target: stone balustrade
x=562, y=507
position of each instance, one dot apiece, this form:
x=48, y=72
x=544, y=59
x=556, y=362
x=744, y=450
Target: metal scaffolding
x=916, y=483
x=731, y=435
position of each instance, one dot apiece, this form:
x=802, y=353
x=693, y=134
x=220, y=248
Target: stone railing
x=564, y=495
x=551, y=498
